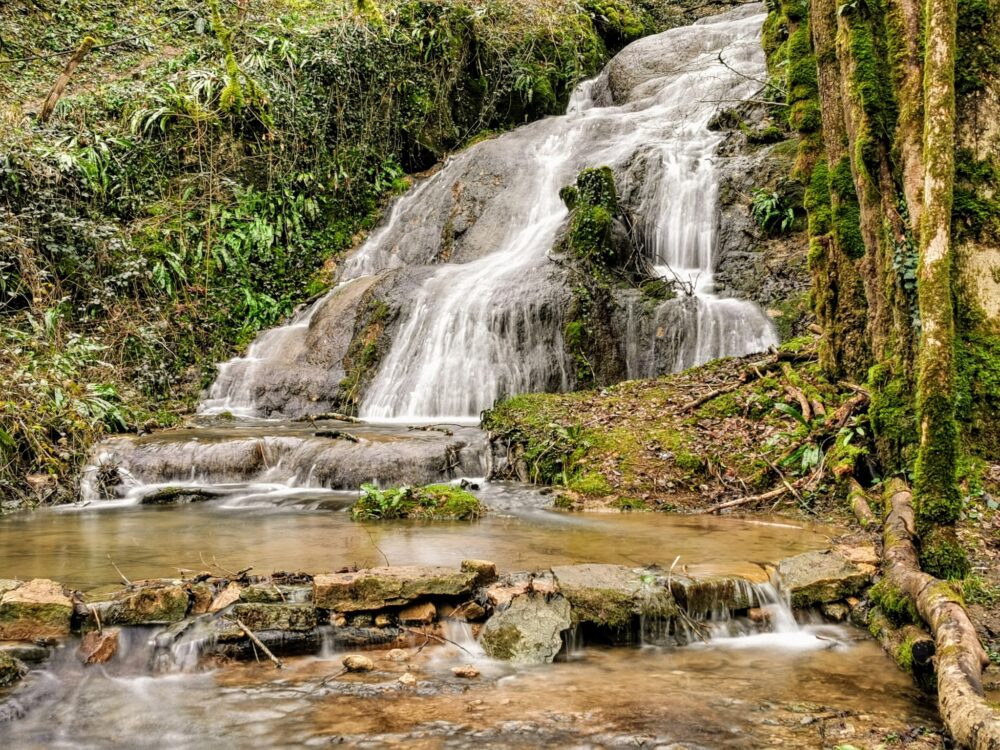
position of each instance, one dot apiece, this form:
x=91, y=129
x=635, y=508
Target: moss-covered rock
x=11, y=670
x=433, y=502
x=375, y=588
x=287, y=617
x=821, y=577
x=147, y=603
x=610, y=596
x=529, y=631
x=36, y=609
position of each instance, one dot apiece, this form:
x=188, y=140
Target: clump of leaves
x=433, y=502
x=771, y=212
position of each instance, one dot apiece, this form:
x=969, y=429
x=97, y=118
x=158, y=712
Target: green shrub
x=433, y=502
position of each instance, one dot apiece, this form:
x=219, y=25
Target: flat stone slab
x=528, y=631
x=375, y=588
x=701, y=594
x=821, y=577
x=36, y=609
x=610, y=595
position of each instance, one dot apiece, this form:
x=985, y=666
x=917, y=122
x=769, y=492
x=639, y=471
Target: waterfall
x=467, y=253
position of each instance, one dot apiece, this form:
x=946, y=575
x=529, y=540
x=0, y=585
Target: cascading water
x=467, y=252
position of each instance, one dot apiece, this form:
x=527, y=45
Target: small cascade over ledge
x=458, y=295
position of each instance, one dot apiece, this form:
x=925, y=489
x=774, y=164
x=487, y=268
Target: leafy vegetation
x=433, y=502
x=208, y=167
x=772, y=214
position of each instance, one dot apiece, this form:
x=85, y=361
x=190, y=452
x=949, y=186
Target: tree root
x=858, y=501
x=960, y=656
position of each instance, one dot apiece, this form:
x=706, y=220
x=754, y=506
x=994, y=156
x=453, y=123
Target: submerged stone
x=375, y=588
x=178, y=496
x=356, y=663
x=820, y=577
x=36, y=609
x=529, y=631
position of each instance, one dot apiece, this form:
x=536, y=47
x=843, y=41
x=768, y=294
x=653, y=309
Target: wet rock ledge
x=523, y=617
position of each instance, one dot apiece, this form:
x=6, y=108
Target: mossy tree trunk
x=936, y=487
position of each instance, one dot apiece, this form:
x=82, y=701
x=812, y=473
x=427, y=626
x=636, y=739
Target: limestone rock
x=835, y=611
x=356, y=663
x=528, y=631
x=201, y=598
x=225, y=597
x=375, y=588
x=288, y=617
x=397, y=654
x=486, y=572
x=701, y=594
x=407, y=679
x=418, y=614
x=466, y=671
x=8, y=584
x=148, y=603
x=36, y=609
x=502, y=592
x=820, y=577
x=98, y=647
x=609, y=595
x=271, y=593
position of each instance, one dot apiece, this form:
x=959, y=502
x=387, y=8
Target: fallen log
x=960, y=656
x=858, y=501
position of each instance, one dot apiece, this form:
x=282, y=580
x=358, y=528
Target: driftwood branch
x=118, y=570
x=255, y=640
x=972, y=721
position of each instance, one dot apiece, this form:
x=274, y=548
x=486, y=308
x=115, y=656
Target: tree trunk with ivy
x=905, y=252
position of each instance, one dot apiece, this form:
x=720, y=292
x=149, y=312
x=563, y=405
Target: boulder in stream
x=529, y=631
x=36, y=609
x=611, y=595
x=376, y=588
x=147, y=603
x=820, y=577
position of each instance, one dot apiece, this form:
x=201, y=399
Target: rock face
x=528, y=631
x=611, y=595
x=376, y=588
x=289, y=617
x=820, y=577
x=36, y=609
